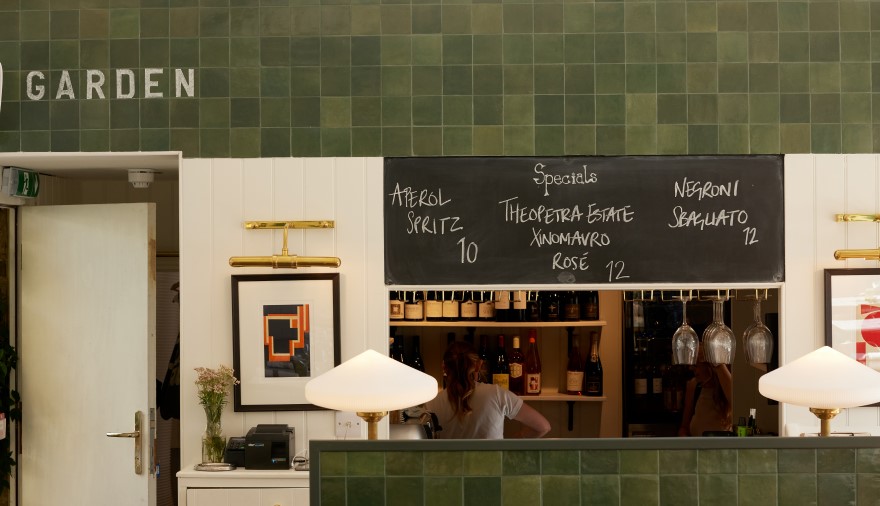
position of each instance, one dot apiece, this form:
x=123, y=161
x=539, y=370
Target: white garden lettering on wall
x=125, y=84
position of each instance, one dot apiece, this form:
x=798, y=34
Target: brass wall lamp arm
x=857, y=217
x=286, y=260
x=867, y=254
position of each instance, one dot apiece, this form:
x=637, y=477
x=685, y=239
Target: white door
x=87, y=353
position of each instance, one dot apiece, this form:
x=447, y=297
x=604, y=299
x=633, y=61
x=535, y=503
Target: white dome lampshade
x=824, y=380
x=371, y=384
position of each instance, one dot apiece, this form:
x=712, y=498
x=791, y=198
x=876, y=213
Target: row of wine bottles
x=493, y=305
x=520, y=370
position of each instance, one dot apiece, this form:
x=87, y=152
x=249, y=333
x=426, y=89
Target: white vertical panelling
x=816, y=188
x=196, y=231
x=216, y=197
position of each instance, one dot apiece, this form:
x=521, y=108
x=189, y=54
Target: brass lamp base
x=825, y=415
x=372, y=420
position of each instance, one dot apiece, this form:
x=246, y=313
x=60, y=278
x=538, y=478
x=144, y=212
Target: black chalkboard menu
x=590, y=220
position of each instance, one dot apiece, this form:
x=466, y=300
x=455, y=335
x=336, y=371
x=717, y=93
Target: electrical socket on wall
x=348, y=425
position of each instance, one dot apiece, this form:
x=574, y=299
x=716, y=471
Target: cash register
x=268, y=446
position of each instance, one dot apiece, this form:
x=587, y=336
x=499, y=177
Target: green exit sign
x=18, y=182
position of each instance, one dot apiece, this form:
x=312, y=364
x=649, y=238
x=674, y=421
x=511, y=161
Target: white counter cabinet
x=243, y=487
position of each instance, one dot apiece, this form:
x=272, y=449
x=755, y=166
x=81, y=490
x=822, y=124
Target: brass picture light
x=867, y=254
x=286, y=260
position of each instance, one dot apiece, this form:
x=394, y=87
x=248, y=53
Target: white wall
x=216, y=196
x=816, y=188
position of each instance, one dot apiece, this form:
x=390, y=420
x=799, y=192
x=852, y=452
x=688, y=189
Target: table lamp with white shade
x=371, y=384
x=825, y=381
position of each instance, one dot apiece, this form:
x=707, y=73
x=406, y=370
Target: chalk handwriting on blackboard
x=583, y=220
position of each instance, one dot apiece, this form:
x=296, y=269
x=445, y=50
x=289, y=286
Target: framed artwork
x=852, y=313
x=285, y=331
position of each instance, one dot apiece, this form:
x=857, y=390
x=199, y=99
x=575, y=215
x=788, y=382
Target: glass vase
x=213, y=442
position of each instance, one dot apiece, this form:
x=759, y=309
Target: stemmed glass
x=719, y=343
x=685, y=339
x=757, y=339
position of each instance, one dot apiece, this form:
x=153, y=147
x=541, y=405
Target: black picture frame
x=285, y=330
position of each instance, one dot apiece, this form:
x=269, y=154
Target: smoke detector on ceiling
x=141, y=178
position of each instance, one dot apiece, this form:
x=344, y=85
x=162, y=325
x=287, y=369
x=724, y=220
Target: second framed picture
x=285, y=331
x=852, y=313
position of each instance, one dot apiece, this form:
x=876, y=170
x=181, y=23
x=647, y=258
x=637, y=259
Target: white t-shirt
x=490, y=405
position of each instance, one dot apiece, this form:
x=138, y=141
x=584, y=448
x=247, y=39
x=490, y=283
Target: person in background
x=467, y=409
x=707, y=406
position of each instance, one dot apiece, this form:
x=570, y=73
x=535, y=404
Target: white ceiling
x=96, y=166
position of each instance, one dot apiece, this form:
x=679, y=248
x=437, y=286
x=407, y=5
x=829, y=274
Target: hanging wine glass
x=685, y=339
x=719, y=343
x=757, y=339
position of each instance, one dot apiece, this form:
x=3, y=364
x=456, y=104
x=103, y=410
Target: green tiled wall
x=705, y=477
x=451, y=77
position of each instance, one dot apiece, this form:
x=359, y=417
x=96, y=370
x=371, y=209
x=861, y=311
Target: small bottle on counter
x=414, y=306
x=593, y=375
x=574, y=371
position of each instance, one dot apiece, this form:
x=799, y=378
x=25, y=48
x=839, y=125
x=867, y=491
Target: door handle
x=138, y=421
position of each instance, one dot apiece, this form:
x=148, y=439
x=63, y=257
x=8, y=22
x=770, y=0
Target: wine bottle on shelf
x=486, y=306
x=593, y=375
x=414, y=306
x=483, y=352
x=500, y=366
x=395, y=305
x=415, y=355
x=574, y=371
x=571, y=308
x=549, y=306
x=533, y=365
x=468, y=308
x=518, y=305
x=502, y=305
x=640, y=379
x=533, y=306
x=589, y=305
x=433, y=305
x=395, y=349
x=516, y=361
x=451, y=304
x=657, y=371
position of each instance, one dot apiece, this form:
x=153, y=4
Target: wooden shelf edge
x=555, y=397
x=467, y=323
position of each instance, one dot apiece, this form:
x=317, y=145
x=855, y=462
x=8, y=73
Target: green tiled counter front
x=627, y=472
x=444, y=77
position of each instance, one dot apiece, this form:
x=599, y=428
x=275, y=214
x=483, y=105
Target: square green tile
x=610, y=17
x=763, y=47
x=610, y=140
x=641, y=78
x=610, y=78
x=678, y=461
x=360, y=491
x=426, y=141
x=517, y=18
x=551, y=79
x=641, y=140
x=702, y=77
x=337, y=142
x=488, y=49
x=701, y=17
x=857, y=138
x=443, y=491
x=671, y=47
x=489, y=110
x=793, y=16
x=580, y=139
x=680, y=490
x=517, y=49
x=757, y=490
x=609, y=47
x=457, y=141
x=426, y=19
x=671, y=78
x=836, y=488
x=560, y=489
x=824, y=16
x=834, y=460
x=518, y=79
x=519, y=110
x=638, y=490
x=335, y=50
x=825, y=138
x=639, y=461
x=702, y=109
x=516, y=490
x=549, y=109
x=444, y=464
x=580, y=109
x=733, y=139
x=671, y=109
x=293, y=142
x=610, y=110
x=763, y=108
x=868, y=460
x=672, y=17
x=855, y=77
x=549, y=48
x=519, y=140
x=548, y=18
x=601, y=488
x=549, y=140
x=825, y=108
x=717, y=489
x=244, y=142
x=732, y=16
x=366, y=141
x=641, y=109
x=855, y=46
x=794, y=77
x=794, y=47
x=486, y=18
x=639, y=17
x=796, y=489
x=396, y=111
x=457, y=50
x=702, y=47
x=733, y=47
x=368, y=20
x=488, y=140
x=855, y=107
x=457, y=80
x=402, y=491
x=483, y=491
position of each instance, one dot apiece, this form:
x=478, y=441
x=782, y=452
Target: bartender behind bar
x=707, y=407
x=467, y=409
